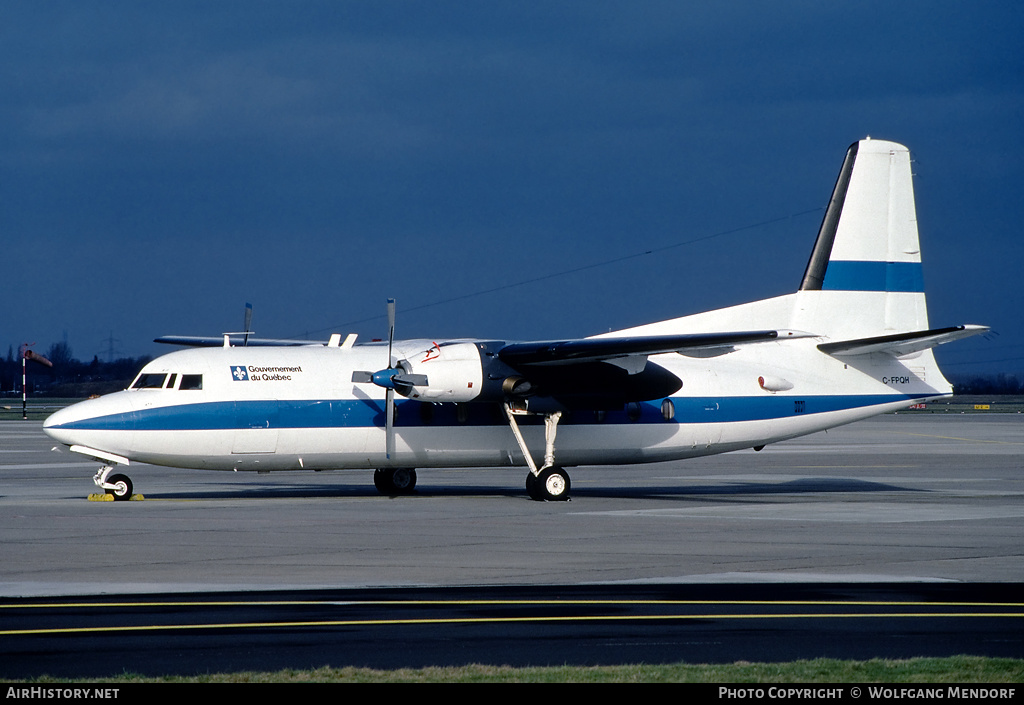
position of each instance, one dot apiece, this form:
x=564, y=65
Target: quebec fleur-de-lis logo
x=239, y=373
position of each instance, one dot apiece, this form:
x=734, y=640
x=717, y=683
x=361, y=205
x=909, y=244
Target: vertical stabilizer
x=864, y=275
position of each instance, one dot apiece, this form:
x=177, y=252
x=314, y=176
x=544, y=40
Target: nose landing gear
x=118, y=486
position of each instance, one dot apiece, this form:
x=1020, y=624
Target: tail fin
x=863, y=289
x=864, y=276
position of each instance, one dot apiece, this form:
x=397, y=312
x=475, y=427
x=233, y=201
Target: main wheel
x=382, y=481
x=122, y=487
x=551, y=485
x=395, y=480
x=531, y=486
x=403, y=480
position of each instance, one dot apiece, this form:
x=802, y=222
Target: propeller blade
x=389, y=423
x=386, y=379
x=391, y=330
x=410, y=380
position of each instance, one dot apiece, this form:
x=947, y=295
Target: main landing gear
x=548, y=483
x=119, y=486
x=393, y=481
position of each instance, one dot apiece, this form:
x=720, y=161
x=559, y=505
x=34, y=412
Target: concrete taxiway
x=910, y=497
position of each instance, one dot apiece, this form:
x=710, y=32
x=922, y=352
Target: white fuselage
x=292, y=408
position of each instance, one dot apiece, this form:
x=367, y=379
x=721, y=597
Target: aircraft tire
x=552, y=485
x=382, y=481
x=123, y=488
x=531, y=487
x=403, y=480
x=393, y=481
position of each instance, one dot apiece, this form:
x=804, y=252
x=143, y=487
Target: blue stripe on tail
x=843, y=275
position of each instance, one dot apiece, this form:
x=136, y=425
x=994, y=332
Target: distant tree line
x=68, y=377
x=1001, y=383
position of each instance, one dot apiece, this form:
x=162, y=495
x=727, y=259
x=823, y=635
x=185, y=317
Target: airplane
x=851, y=342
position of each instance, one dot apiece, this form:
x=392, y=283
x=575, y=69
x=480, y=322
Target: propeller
x=395, y=377
x=388, y=379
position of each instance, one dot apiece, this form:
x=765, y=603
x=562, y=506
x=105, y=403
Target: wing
x=198, y=341
x=567, y=352
x=606, y=372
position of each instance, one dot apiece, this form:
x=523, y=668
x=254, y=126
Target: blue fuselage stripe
x=306, y=414
x=873, y=276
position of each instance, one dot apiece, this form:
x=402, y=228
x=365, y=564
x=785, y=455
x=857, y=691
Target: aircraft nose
x=57, y=425
x=57, y=418
x=72, y=424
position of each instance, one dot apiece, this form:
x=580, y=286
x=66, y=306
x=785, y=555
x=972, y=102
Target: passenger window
x=191, y=382
x=634, y=411
x=171, y=381
x=668, y=410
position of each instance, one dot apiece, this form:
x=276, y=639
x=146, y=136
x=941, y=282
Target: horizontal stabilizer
x=901, y=343
x=563, y=352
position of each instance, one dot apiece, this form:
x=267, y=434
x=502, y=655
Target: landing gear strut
x=119, y=486
x=549, y=482
x=393, y=481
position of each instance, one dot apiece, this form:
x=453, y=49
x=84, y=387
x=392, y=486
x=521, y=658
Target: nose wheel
x=122, y=487
x=118, y=486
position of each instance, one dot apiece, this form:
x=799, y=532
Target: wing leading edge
x=569, y=352
x=235, y=340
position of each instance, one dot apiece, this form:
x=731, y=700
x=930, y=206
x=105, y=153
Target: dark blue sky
x=500, y=171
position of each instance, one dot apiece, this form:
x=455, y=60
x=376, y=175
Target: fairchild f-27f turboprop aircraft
x=853, y=341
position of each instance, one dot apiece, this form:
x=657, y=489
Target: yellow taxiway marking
x=499, y=620
x=1019, y=613
x=957, y=438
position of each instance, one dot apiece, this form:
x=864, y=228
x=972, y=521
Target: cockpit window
x=191, y=382
x=149, y=381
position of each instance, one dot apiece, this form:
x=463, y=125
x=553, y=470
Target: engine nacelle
x=454, y=373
